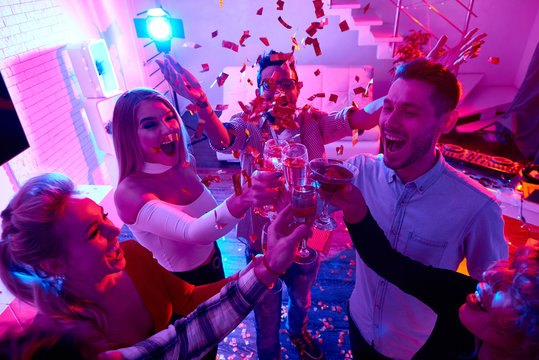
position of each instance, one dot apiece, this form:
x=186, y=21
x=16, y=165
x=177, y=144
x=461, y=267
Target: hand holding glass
x=332, y=175
x=272, y=162
x=304, y=200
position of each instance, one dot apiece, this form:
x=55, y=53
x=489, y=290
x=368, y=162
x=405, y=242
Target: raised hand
x=181, y=80
x=467, y=48
x=266, y=188
x=283, y=239
x=350, y=201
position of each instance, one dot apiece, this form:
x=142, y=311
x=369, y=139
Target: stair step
x=385, y=35
x=361, y=19
x=485, y=98
x=474, y=126
x=469, y=81
x=344, y=4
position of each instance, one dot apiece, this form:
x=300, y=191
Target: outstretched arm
x=367, y=117
x=187, y=86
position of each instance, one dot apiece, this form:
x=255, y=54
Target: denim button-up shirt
x=438, y=219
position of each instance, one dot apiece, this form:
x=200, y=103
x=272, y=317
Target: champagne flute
x=332, y=175
x=272, y=162
x=304, y=200
x=295, y=158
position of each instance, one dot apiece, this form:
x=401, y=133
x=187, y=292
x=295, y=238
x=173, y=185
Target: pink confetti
x=230, y=45
x=221, y=78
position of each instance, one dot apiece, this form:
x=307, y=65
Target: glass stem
x=324, y=213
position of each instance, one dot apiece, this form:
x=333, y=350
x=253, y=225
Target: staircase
x=375, y=31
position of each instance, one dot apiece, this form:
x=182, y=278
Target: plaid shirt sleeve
x=192, y=336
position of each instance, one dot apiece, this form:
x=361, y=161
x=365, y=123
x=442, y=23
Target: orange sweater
x=161, y=291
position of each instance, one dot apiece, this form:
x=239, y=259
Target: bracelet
x=267, y=267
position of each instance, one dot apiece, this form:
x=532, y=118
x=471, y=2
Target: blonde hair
x=124, y=131
x=29, y=238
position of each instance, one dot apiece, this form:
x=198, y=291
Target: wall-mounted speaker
x=93, y=67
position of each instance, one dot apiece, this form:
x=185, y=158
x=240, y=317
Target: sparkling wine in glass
x=272, y=162
x=304, y=200
x=295, y=158
x=332, y=175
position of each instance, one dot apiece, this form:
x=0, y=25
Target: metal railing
x=400, y=8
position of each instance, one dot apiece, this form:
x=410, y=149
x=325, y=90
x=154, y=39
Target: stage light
x=160, y=27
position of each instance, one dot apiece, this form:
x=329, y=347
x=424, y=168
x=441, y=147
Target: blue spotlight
x=159, y=27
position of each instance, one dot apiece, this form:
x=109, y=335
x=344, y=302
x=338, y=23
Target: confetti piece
x=284, y=23
x=243, y=67
x=313, y=28
x=247, y=178
x=220, y=107
x=280, y=57
x=253, y=237
x=186, y=164
x=236, y=180
x=493, y=60
x=230, y=45
x=333, y=98
x=191, y=45
x=244, y=37
x=316, y=47
x=259, y=11
x=357, y=78
x=221, y=78
x=359, y=90
x=366, y=8
x=250, y=82
x=355, y=137
x=295, y=42
x=340, y=150
x=214, y=34
x=186, y=191
x=206, y=180
x=318, y=4
x=243, y=107
x=205, y=67
x=317, y=72
x=280, y=5
x=252, y=151
x=192, y=108
x=343, y=25
x=236, y=153
x=221, y=3
x=264, y=41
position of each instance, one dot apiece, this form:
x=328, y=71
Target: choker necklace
x=155, y=168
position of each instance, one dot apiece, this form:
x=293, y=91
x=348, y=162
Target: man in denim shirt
x=428, y=211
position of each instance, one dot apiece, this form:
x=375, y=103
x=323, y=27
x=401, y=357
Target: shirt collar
x=423, y=182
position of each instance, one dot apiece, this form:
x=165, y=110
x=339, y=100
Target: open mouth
x=394, y=143
x=168, y=146
x=473, y=302
x=116, y=252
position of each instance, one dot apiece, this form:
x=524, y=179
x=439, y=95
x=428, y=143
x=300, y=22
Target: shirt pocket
x=426, y=251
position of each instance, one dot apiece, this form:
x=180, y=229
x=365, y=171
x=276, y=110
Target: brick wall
x=42, y=84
